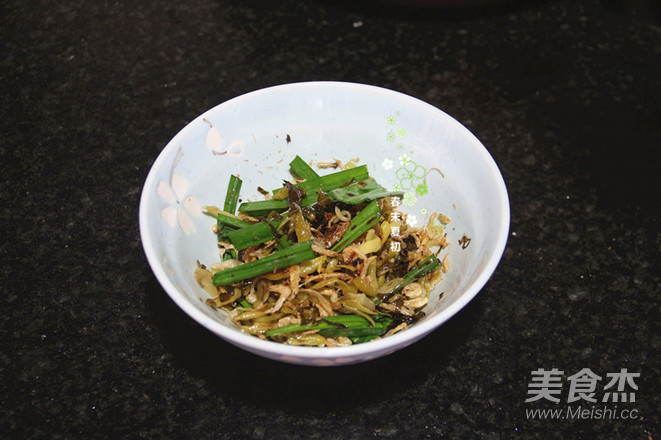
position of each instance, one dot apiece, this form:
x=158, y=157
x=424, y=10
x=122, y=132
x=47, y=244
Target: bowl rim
x=377, y=347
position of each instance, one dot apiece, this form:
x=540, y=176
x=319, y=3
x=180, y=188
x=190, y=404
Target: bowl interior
x=406, y=144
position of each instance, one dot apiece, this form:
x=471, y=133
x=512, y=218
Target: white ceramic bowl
x=405, y=143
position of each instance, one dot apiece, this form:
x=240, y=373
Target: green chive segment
x=364, y=191
x=250, y=235
x=289, y=256
x=425, y=266
x=261, y=208
x=334, y=180
x=232, y=196
x=227, y=222
x=358, y=225
x=355, y=327
x=302, y=169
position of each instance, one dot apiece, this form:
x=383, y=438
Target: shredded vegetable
x=325, y=260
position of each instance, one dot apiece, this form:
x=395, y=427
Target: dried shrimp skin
x=326, y=260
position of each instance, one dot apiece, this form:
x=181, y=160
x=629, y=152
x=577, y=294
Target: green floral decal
x=411, y=176
x=409, y=199
x=421, y=189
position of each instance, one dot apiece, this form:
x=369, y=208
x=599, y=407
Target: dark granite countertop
x=566, y=95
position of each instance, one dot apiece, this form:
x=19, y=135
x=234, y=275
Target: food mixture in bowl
x=325, y=260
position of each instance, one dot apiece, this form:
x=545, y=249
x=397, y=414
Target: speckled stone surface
x=566, y=95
